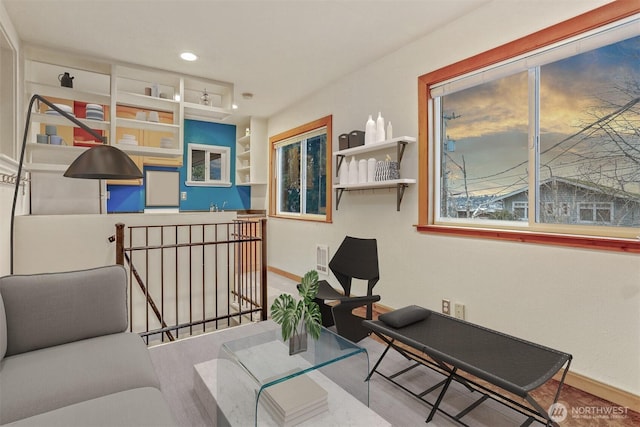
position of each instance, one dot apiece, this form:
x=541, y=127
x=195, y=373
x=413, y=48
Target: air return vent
x=322, y=259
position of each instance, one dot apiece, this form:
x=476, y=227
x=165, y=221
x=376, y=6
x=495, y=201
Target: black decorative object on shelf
x=66, y=80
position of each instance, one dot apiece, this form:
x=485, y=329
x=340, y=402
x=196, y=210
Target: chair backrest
x=356, y=258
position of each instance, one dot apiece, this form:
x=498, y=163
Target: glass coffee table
x=255, y=381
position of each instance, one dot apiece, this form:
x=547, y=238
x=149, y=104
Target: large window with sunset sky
x=549, y=140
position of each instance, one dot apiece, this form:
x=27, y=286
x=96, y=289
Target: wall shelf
x=400, y=144
x=204, y=112
x=399, y=184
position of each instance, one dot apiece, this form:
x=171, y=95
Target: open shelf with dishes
x=147, y=105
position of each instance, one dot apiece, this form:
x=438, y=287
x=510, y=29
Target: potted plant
x=301, y=317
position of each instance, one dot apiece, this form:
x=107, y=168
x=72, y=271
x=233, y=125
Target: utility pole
x=445, y=146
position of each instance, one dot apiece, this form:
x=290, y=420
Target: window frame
x=225, y=178
x=586, y=22
x=324, y=122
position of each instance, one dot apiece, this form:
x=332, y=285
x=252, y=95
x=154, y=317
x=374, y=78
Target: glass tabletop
x=259, y=383
x=265, y=356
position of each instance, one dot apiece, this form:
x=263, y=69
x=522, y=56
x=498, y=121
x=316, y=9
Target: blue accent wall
x=129, y=198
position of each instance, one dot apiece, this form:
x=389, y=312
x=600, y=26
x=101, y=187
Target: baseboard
x=283, y=273
x=586, y=384
x=603, y=391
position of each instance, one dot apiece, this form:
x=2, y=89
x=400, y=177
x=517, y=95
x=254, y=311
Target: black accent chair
x=355, y=258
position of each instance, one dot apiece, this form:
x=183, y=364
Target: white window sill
x=207, y=184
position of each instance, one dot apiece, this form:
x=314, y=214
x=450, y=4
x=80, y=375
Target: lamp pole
x=95, y=155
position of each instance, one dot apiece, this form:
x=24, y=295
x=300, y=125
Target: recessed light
x=188, y=56
x=234, y=106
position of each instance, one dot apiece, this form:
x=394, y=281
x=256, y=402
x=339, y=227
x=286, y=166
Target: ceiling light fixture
x=234, y=106
x=188, y=56
x=247, y=95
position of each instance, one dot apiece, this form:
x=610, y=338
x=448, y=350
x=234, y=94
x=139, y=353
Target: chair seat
x=328, y=292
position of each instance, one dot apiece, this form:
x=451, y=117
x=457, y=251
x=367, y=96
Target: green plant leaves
x=284, y=312
x=313, y=320
x=309, y=285
x=291, y=314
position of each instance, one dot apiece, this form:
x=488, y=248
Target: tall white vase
x=380, y=134
x=389, y=130
x=370, y=131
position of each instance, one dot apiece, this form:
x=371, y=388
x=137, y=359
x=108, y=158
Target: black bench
x=513, y=364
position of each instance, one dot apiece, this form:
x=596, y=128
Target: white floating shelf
x=53, y=119
x=374, y=184
x=67, y=93
x=390, y=143
x=139, y=124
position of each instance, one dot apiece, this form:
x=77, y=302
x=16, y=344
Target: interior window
x=208, y=165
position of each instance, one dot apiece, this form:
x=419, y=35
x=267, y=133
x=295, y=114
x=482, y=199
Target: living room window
x=542, y=128
x=301, y=165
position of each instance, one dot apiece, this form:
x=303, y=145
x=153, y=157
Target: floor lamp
x=99, y=162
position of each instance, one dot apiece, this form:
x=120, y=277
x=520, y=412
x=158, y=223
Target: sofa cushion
x=43, y=380
x=3, y=330
x=49, y=309
x=137, y=407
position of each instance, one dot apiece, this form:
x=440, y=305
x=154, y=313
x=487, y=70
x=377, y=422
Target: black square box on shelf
x=356, y=138
x=343, y=141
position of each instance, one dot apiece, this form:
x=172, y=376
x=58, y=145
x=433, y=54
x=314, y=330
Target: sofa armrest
x=43, y=310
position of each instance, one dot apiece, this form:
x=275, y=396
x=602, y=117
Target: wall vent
x=322, y=259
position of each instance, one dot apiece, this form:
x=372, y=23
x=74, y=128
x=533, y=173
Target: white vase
x=370, y=131
x=353, y=171
x=389, y=130
x=380, y=134
x=371, y=170
x=344, y=172
x=362, y=171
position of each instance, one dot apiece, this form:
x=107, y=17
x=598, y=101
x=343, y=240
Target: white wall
x=585, y=302
x=50, y=243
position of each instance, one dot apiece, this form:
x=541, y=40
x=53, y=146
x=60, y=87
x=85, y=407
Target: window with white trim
x=598, y=213
x=208, y=165
x=555, y=129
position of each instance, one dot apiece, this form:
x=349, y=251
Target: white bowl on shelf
x=94, y=107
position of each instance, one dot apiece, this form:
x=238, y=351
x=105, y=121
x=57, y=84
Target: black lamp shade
x=103, y=162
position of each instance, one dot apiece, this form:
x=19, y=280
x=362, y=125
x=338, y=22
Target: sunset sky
x=491, y=130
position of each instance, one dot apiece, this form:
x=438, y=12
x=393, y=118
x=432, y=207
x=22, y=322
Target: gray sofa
x=66, y=358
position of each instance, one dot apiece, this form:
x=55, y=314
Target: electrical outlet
x=183, y=195
x=458, y=310
x=446, y=306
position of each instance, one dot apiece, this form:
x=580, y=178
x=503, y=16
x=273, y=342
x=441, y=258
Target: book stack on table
x=294, y=401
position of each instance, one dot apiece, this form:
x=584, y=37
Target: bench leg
x=441, y=395
x=384, y=353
